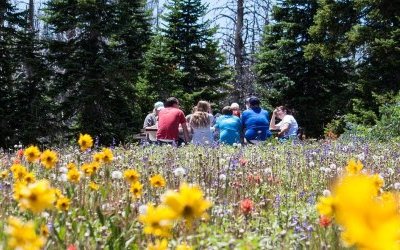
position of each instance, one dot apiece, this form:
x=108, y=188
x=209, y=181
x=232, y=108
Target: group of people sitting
x=167, y=124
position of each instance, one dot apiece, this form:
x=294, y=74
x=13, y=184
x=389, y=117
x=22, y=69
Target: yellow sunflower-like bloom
x=48, y=159
x=158, y=245
x=93, y=186
x=44, y=230
x=30, y=178
x=37, y=196
x=85, y=142
x=32, y=154
x=377, y=181
x=184, y=246
x=157, y=221
x=98, y=157
x=325, y=206
x=63, y=203
x=17, y=187
x=188, y=203
x=71, y=165
x=87, y=169
x=136, y=189
x=18, y=171
x=131, y=175
x=354, y=167
x=23, y=235
x=73, y=175
x=157, y=181
x=107, y=155
x=3, y=174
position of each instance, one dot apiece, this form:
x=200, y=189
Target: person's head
x=227, y=110
x=254, y=102
x=172, y=102
x=235, y=106
x=203, y=106
x=247, y=102
x=281, y=111
x=200, y=120
x=158, y=106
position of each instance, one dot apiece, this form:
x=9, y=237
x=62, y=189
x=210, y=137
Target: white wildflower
x=222, y=177
x=116, y=174
x=326, y=193
x=180, y=171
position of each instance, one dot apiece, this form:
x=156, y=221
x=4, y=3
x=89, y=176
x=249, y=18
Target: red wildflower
x=243, y=161
x=324, y=221
x=72, y=247
x=246, y=206
x=256, y=179
x=20, y=153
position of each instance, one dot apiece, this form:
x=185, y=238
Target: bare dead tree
x=243, y=23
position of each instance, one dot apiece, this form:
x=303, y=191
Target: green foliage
x=316, y=88
x=97, y=64
x=195, y=67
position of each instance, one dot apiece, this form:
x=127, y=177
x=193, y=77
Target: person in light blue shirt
x=255, y=122
x=229, y=127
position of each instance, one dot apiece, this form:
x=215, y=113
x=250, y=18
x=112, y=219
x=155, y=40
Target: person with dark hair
x=229, y=127
x=255, y=122
x=169, y=120
x=288, y=126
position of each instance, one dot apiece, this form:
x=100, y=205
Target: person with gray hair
x=150, y=122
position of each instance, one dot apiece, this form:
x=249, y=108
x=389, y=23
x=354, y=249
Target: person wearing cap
x=169, y=120
x=235, y=109
x=255, y=122
x=150, y=122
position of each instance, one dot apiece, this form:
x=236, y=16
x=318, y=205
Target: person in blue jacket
x=255, y=122
x=229, y=127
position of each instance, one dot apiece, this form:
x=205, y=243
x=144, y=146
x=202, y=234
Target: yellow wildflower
x=37, y=196
x=71, y=165
x=48, y=159
x=325, y=206
x=32, y=154
x=377, y=181
x=23, y=235
x=184, y=246
x=17, y=187
x=157, y=221
x=157, y=181
x=136, y=189
x=3, y=174
x=85, y=142
x=44, y=230
x=158, y=245
x=57, y=193
x=87, y=169
x=63, y=203
x=18, y=171
x=94, y=186
x=98, y=157
x=354, y=167
x=73, y=175
x=131, y=175
x=107, y=155
x=188, y=203
x=30, y=177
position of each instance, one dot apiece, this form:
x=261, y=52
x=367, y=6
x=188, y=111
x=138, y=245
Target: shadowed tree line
x=97, y=66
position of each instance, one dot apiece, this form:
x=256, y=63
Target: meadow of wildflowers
x=313, y=195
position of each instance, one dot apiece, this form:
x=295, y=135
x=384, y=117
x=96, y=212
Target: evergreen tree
x=25, y=108
x=97, y=57
x=314, y=88
x=200, y=65
x=367, y=32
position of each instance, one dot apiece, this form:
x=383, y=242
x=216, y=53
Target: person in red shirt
x=169, y=120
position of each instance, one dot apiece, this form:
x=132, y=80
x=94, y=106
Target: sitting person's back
x=200, y=124
x=255, y=121
x=229, y=127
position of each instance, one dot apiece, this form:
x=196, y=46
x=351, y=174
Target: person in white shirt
x=287, y=127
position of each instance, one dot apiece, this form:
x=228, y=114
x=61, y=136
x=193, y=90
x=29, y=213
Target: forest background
x=97, y=66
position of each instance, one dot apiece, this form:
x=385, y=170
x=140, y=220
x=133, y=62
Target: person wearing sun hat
x=150, y=122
